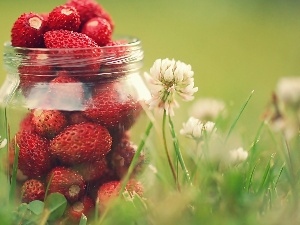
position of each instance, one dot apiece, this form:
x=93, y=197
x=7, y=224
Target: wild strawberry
x=64, y=17
x=28, y=30
x=72, y=49
x=32, y=190
x=79, y=143
x=48, y=123
x=92, y=171
x=77, y=117
x=122, y=155
x=110, y=190
x=67, y=182
x=34, y=157
x=83, y=206
x=98, y=29
x=37, y=69
x=68, y=39
x=118, y=52
x=113, y=107
x=66, y=92
x=89, y=9
x=26, y=123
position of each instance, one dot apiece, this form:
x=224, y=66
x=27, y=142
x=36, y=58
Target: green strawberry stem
x=178, y=152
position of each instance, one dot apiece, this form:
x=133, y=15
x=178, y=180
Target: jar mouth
x=129, y=41
x=108, y=61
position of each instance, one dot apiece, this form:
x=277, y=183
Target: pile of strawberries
x=76, y=140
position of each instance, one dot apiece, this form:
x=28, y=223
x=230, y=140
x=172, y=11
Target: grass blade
x=238, y=116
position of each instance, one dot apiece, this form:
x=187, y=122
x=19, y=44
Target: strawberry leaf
x=36, y=207
x=56, y=204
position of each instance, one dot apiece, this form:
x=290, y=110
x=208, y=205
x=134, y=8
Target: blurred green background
x=234, y=46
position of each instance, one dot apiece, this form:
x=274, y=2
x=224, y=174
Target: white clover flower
x=195, y=128
x=167, y=78
x=207, y=108
x=238, y=155
x=288, y=90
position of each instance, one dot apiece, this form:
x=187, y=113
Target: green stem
x=131, y=168
x=166, y=147
x=135, y=158
x=178, y=152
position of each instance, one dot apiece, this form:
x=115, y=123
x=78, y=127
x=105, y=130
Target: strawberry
x=66, y=92
x=110, y=190
x=112, y=106
x=89, y=9
x=77, y=117
x=48, y=123
x=64, y=17
x=79, y=143
x=68, y=39
x=122, y=155
x=28, y=30
x=26, y=123
x=32, y=190
x=98, y=29
x=73, y=49
x=83, y=206
x=37, y=70
x=67, y=182
x=34, y=157
x=92, y=171
x=117, y=52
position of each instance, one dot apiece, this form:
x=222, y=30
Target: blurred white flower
x=3, y=143
x=195, y=128
x=167, y=78
x=238, y=155
x=207, y=108
x=288, y=90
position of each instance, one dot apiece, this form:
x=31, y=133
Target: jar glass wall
x=67, y=115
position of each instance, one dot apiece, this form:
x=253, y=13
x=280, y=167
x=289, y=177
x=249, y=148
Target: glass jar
x=67, y=115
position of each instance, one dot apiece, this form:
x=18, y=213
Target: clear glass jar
x=67, y=116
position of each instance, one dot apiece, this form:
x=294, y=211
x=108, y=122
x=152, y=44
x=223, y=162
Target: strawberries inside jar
x=66, y=114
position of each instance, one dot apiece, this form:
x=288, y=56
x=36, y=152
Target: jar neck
x=105, y=61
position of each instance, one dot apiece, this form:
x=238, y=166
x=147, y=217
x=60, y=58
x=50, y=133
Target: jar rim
x=132, y=42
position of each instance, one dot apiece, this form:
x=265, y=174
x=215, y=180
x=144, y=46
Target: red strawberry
x=67, y=182
x=122, y=155
x=28, y=30
x=73, y=49
x=11, y=159
x=36, y=70
x=48, y=123
x=110, y=190
x=79, y=143
x=26, y=123
x=83, y=206
x=77, y=117
x=66, y=92
x=64, y=17
x=113, y=107
x=32, y=190
x=89, y=9
x=34, y=156
x=68, y=39
x=98, y=29
x=92, y=171
x=118, y=53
